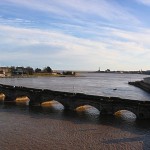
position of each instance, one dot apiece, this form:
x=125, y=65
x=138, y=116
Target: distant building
x=99, y=70
x=108, y=70
x=2, y=74
x=22, y=71
x=69, y=73
x=5, y=72
x=19, y=70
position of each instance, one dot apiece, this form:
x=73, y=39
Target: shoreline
x=36, y=76
x=142, y=85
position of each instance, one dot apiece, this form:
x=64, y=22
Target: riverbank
x=141, y=84
x=41, y=75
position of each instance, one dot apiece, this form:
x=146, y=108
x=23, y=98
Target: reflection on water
x=52, y=106
x=24, y=100
x=2, y=97
x=124, y=114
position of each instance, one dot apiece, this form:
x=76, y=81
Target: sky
x=75, y=34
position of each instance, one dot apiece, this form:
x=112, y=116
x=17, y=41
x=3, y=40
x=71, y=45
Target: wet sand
x=24, y=129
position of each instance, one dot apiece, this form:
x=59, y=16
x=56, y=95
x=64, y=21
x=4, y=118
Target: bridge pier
x=9, y=100
x=35, y=99
x=106, y=108
x=106, y=112
x=143, y=112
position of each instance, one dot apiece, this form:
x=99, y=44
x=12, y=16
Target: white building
x=5, y=71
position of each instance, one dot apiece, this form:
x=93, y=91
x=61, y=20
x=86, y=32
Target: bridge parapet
x=106, y=105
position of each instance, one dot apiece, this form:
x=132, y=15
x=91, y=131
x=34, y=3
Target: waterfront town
x=125, y=72
x=47, y=71
x=22, y=72
x=29, y=71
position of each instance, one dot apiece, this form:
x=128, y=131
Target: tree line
x=29, y=70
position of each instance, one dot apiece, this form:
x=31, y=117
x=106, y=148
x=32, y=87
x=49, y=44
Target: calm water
x=91, y=83
x=56, y=129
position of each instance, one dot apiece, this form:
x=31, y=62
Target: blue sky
x=75, y=34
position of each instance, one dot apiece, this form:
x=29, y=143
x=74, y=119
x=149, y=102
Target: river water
x=56, y=129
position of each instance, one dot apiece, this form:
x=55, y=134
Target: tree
x=47, y=70
x=12, y=69
x=29, y=70
x=38, y=70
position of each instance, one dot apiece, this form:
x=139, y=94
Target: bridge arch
x=22, y=100
x=52, y=103
x=126, y=113
x=5, y=97
x=83, y=105
x=2, y=96
x=87, y=108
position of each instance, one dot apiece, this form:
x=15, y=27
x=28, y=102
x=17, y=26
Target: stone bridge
x=71, y=101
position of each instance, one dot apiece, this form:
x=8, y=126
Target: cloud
x=139, y=37
x=80, y=9
x=38, y=47
x=16, y=22
x=79, y=34
x=145, y=2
